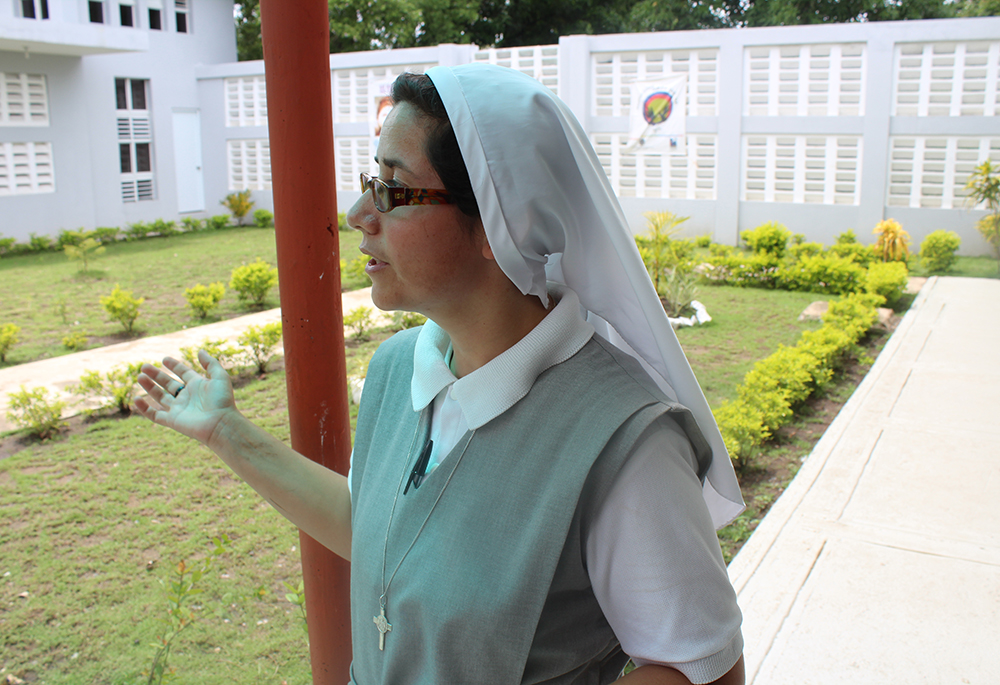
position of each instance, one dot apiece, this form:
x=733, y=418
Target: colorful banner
x=658, y=116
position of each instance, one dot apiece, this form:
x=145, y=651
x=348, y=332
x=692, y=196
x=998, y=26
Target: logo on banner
x=657, y=120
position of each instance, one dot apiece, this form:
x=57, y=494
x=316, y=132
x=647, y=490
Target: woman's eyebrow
x=392, y=163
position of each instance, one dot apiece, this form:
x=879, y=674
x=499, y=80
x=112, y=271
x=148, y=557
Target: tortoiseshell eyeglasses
x=387, y=197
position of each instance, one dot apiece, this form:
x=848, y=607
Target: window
x=249, y=164
x=181, y=15
x=96, y=11
x=26, y=168
x=246, y=101
x=23, y=100
x=135, y=139
x=155, y=21
x=130, y=93
x=34, y=9
x=126, y=12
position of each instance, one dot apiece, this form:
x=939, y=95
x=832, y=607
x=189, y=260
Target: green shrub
x=743, y=432
x=703, y=241
x=260, y=342
x=263, y=218
x=84, y=251
x=68, y=237
x=721, y=250
x=800, y=250
x=355, y=269
x=678, y=291
x=122, y=307
x=138, y=230
x=6, y=245
x=204, y=298
x=239, y=203
x=8, y=338
x=403, y=320
x=847, y=238
x=164, y=228
x=771, y=238
x=360, y=320
x=937, y=251
x=821, y=274
x=77, y=340
x=254, y=281
x=856, y=252
x=106, y=234
x=738, y=268
x=227, y=355
x=39, y=243
x=218, y=222
x=887, y=279
x=342, y=222
x=193, y=224
x=117, y=387
x=33, y=410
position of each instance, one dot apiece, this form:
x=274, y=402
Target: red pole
x=300, y=126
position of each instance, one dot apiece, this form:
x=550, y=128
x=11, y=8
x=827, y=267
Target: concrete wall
x=188, y=72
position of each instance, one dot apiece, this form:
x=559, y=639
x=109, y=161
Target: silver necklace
x=380, y=620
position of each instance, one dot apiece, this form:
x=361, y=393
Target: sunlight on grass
x=49, y=297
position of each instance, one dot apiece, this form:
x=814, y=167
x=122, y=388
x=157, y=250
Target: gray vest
x=495, y=587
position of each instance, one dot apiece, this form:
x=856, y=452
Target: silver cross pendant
x=383, y=627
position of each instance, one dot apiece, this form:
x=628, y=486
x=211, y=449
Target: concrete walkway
x=58, y=373
x=881, y=562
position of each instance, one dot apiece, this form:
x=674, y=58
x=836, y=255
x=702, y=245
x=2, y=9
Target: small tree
x=260, y=342
x=254, y=281
x=122, y=307
x=117, y=387
x=239, y=203
x=984, y=189
x=655, y=246
x=33, y=410
x=204, y=298
x=84, y=251
x=8, y=338
x=360, y=320
x=893, y=244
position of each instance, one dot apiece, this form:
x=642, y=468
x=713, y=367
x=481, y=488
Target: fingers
x=159, y=380
x=212, y=366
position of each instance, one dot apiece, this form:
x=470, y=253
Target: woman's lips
x=375, y=265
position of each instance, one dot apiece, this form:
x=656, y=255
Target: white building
x=99, y=108
x=822, y=128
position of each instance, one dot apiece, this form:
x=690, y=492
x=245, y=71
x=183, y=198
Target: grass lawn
x=49, y=297
x=972, y=267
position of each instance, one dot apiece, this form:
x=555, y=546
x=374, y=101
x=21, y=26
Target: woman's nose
x=363, y=216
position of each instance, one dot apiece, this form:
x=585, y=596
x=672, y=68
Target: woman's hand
x=193, y=405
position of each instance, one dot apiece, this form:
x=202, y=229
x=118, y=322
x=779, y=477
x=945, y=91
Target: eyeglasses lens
x=380, y=192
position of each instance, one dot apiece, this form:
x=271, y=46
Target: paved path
x=881, y=562
x=58, y=373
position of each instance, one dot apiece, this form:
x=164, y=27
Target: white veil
x=550, y=214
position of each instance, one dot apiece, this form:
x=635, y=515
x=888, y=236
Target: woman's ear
x=485, y=243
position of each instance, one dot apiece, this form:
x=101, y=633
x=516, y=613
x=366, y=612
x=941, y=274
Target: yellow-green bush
x=204, y=298
x=888, y=280
x=771, y=391
x=8, y=338
x=937, y=251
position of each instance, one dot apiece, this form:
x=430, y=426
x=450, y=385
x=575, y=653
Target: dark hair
x=442, y=147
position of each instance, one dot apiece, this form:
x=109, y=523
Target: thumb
x=212, y=366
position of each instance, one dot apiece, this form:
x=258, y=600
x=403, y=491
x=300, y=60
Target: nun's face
x=424, y=258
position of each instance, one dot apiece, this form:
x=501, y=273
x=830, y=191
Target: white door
x=187, y=161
